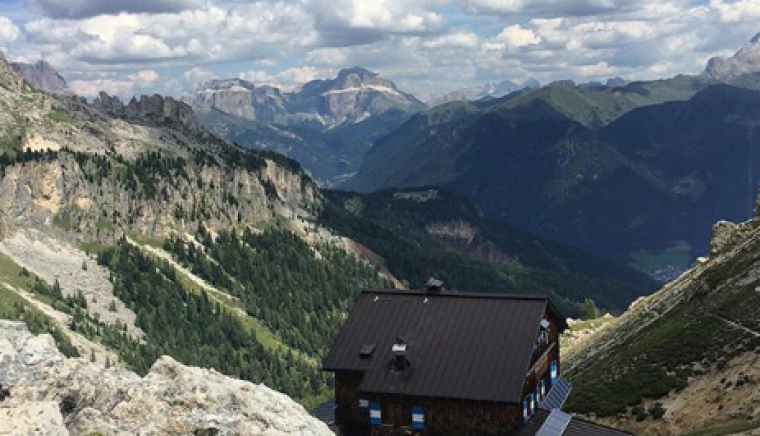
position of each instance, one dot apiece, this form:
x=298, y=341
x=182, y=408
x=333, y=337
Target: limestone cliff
x=44, y=393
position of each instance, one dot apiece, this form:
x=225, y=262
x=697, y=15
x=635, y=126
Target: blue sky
x=426, y=46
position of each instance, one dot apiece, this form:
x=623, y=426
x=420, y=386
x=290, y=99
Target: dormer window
x=400, y=361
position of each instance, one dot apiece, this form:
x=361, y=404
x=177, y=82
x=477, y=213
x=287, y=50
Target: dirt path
x=206, y=286
x=738, y=326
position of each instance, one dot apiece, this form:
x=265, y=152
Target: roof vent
x=366, y=351
x=434, y=285
x=400, y=362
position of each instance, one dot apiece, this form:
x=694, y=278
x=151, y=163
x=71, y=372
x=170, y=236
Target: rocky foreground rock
x=44, y=393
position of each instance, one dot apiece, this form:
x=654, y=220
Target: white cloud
x=197, y=75
x=91, y=8
x=742, y=10
x=91, y=88
x=459, y=39
x=547, y=7
x=9, y=32
x=514, y=36
x=144, y=76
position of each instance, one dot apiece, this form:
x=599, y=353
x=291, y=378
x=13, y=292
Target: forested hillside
x=643, y=186
x=129, y=232
x=434, y=233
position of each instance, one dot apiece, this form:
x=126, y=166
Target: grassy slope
x=14, y=307
x=665, y=336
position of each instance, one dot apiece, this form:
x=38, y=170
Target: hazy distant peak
x=42, y=76
x=745, y=61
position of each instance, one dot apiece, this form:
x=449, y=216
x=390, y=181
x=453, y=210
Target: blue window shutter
x=525, y=412
x=363, y=405
x=418, y=418
x=375, y=415
x=532, y=403
x=554, y=373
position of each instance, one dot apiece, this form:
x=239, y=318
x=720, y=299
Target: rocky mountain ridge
x=44, y=393
x=354, y=95
x=155, y=109
x=42, y=76
x=745, y=61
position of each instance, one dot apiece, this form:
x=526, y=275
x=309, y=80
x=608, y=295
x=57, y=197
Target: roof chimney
x=400, y=362
x=434, y=285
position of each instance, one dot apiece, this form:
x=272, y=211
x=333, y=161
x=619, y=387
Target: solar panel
x=555, y=424
x=557, y=396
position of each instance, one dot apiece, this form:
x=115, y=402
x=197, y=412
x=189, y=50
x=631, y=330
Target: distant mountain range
x=353, y=96
x=327, y=125
x=487, y=91
x=638, y=172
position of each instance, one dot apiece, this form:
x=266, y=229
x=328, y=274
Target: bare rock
x=42, y=76
x=723, y=235
x=47, y=390
x=745, y=61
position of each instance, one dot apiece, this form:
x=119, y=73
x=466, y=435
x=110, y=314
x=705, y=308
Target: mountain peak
x=359, y=71
x=745, y=61
x=42, y=76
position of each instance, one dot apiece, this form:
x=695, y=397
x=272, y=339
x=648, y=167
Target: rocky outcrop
x=241, y=98
x=724, y=234
x=154, y=109
x=42, y=76
x=112, y=105
x=8, y=77
x=44, y=393
x=745, y=61
x=67, y=192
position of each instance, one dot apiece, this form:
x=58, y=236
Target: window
x=554, y=370
x=375, y=414
x=418, y=418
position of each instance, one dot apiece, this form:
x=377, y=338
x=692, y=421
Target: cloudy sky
x=426, y=46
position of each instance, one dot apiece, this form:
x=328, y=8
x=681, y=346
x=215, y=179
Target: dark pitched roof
x=460, y=345
x=576, y=427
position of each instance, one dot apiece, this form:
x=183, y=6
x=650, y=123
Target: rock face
x=43, y=393
x=42, y=76
x=8, y=77
x=354, y=95
x=745, y=61
x=152, y=109
x=241, y=98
